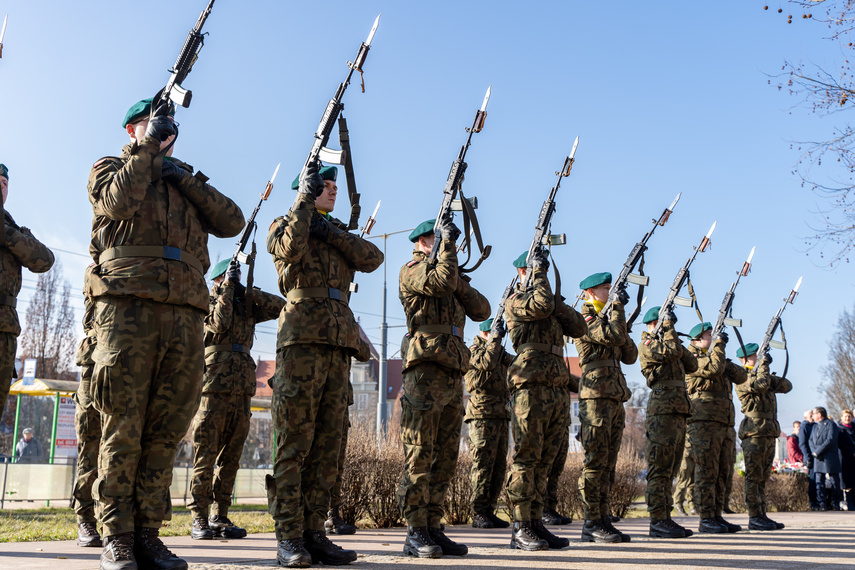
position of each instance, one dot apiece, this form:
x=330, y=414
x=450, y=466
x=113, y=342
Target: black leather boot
x=730, y=526
x=222, y=527
x=593, y=531
x=336, y=525
x=553, y=541
x=553, y=517
x=447, y=545
x=482, y=520
x=497, y=522
x=666, y=528
x=776, y=523
x=606, y=523
x=87, y=535
x=420, y=544
x=759, y=523
x=523, y=537
x=118, y=553
x=200, y=529
x=152, y=554
x=711, y=526
x=291, y=552
x=324, y=550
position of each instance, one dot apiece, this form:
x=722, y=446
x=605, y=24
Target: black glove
x=723, y=336
x=622, y=296
x=448, y=230
x=319, y=228
x=766, y=357
x=540, y=260
x=161, y=126
x=498, y=328
x=233, y=273
x=173, y=173
x=669, y=315
x=311, y=182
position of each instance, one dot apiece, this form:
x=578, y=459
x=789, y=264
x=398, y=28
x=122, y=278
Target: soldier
x=152, y=217
x=551, y=516
x=727, y=468
x=316, y=258
x=710, y=392
x=436, y=299
x=487, y=418
x=602, y=393
x=222, y=422
x=685, y=480
x=759, y=430
x=18, y=248
x=539, y=379
x=664, y=363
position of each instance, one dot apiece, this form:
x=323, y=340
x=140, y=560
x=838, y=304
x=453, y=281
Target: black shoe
x=292, y=553
x=87, y=535
x=553, y=517
x=594, y=531
x=118, y=553
x=731, y=528
x=666, y=529
x=776, y=523
x=336, y=525
x=758, y=523
x=482, y=520
x=726, y=510
x=323, y=550
x=613, y=519
x=152, y=554
x=497, y=522
x=447, y=545
x=606, y=522
x=420, y=544
x=200, y=529
x=553, y=541
x=711, y=526
x=523, y=537
x=222, y=527
x=681, y=511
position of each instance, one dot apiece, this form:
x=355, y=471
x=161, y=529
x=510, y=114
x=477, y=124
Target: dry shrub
x=359, y=462
x=383, y=476
x=787, y=492
x=458, y=499
x=628, y=485
x=569, y=501
x=737, y=493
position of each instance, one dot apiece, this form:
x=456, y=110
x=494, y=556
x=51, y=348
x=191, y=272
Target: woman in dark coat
x=846, y=444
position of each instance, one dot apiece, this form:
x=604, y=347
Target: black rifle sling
x=786, y=350
x=639, y=298
x=355, y=208
x=694, y=298
x=557, y=277
x=739, y=338
x=470, y=219
x=250, y=307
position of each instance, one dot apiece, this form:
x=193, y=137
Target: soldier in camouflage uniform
x=18, y=248
x=539, y=378
x=222, y=422
x=664, y=363
x=316, y=258
x=759, y=430
x=437, y=298
x=152, y=217
x=685, y=479
x=551, y=515
x=487, y=418
x=727, y=468
x=710, y=391
x=602, y=392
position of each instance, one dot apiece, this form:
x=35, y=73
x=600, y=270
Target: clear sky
x=667, y=97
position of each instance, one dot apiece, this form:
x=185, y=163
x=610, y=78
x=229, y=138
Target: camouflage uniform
x=709, y=389
x=550, y=501
x=335, y=492
x=222, y=422
x=685, y=476
x=87, y=423
x=18, y=249
x=664, y=363
x=150, y=246
x=317, y=337
x=758, y=431
x=602, y=393
x=540, y=400
x=436, y=300
x=487, y=417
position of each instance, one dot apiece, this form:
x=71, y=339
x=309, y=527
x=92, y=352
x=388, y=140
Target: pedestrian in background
x=29, y=450
x=846, y=447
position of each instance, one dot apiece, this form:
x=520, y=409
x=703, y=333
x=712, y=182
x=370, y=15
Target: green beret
x=595, y=279
x=651, y=315
x=327, y=173
x=699, y=329
x=422, y=229
x=486, y=325
x=142, y=109
x=748, y=350
x=220, y=267
x=520, y=262
x=4, y=171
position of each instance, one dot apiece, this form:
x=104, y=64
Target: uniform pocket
x=106, y=384
x=416, y=422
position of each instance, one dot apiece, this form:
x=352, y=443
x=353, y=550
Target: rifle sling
x=469, y=217
x=739, y=338
x=786, y=350
x=639, y=298
x=355, y=208
x=250, y=269
x=694, y=298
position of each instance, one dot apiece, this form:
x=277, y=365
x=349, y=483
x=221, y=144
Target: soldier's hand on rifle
x=161, y=126
x=233, y=273
x=497, y=329
x=540, y=260
x=447, y=230
x=319, y=228
x=311, y=182
x=622, y=296
x=171, y=172
x=669, y=317
x=766, y=357
x=723, y=336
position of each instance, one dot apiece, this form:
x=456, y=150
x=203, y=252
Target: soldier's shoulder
x=588, y=312
x=106, y=163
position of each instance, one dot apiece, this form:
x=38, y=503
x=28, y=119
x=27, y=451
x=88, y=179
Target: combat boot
x=730, y=526
x=447, y=545
x=553, y=517
x=292, y=553
x=666, y=528
x=594, y=531
x=776, y=523
x=336, y=525
x=523, y=537
x=482, y=520
x=118, y=553
x=152, y=554
x=711, y=526
x=607, y=523
x=322, y=549
x=497, y=522
x=87, y=535
x=200, y=529
x=553, y=541
x=222, y=527
x=419, y=543
x=759, y=523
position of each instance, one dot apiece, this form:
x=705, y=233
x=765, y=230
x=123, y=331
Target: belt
x=226, y=348
x=719, y=395
x=542, y=347
x=317, y=293
x=440, y=329
x=161, y=251
x=8, y=301
x=760, y=415
x=612, y=363
x=669, y=384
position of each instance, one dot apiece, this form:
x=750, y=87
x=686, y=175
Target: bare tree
x=49, y=334
x=839, y=374
x=635, y=432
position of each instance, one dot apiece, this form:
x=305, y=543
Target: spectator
x=794, y=454
x=29, y=450
x=804, y=446
x=846, y=441
x=826, y=459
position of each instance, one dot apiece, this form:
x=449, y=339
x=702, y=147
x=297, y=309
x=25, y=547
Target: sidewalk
x=811, y=540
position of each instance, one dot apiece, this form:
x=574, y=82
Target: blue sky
x=667, y=97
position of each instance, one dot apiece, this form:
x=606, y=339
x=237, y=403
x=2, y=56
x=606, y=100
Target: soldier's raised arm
x=440, y=280
x=30, y=252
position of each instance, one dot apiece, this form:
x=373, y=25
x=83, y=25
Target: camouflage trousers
x=550, y=501
x=685, y=475
x=146, y=383
x=488, y=446
x=431, y=419
x=219, y=432
x=538, y=422
x=759, y=452
x=335, y=492
x=8, y=347
x=730, y=443
x=602, y=421
x=309, y=403
x=666, y=435
x=87, y=423
x=710, y=453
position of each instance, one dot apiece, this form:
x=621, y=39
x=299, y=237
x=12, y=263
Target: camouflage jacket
x=606, y=341
x=87, y=343
x=132, y=211
x=229, y=331
x=315, y=277
x=710, y=387
x=487, y=380
x=664, y=363
x=759, y=403
x=21, y=249
x=437, y=295
x=537, y=324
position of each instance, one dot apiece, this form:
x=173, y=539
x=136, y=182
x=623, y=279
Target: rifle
x=240, y=256
x=3, y=33
x=774, y=325
x=682, y=276
x=636, y=256
x=453, y=186
x=725, y=312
